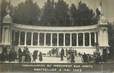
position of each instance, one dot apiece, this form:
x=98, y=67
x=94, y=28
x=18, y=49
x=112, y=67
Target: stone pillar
x=0, y=32
x=31, y=38
x=38, y=39
x=19, y=38
x=77, y=40
x=103, y=33
x=70, y=39
x=64, y=39
x=6, y=35
x=95, y=37
x=44, y=39
x=25, y=38
x=89, y=38
x=3, y=36
x=7, y=30
x=13, y=41
x=83, y=39
x=57, y=39
x=51, y=39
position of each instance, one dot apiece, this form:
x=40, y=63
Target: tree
x=55, y=14
x=73, y=14
x=62, y=13
x=85, y=15
x=111, y=40
x=52, y=14
x=27, y=13
x=4, y=5
x=48, y=14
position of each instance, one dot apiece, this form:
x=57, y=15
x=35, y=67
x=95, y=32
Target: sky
x=108, y=5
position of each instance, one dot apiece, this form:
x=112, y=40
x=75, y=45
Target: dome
x=7, y=19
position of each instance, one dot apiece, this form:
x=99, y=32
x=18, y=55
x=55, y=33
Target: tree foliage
x=111, y=38
x=4, y=5
x=53, y=14
x=62, y=16
x=48, y=14
x=73, y=14
x=85, y=16
x=27, y=13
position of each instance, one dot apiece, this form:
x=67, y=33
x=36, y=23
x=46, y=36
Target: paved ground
x=54, y=60
x=57, y=72
x=33, y=67
x=19, y=67
x=57, y=60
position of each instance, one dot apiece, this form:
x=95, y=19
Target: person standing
x=35, y=53
x=40, y=56
x=23, y=54
x=20, y=55
x=62, y=54
x=72, y=57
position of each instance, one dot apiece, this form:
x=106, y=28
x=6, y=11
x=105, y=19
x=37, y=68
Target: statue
x=99, y=10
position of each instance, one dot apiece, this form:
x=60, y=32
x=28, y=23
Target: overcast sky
x=108, y=5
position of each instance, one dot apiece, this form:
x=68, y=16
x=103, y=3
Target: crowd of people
x=25, y=55
x=20, y=55
x=63, y=53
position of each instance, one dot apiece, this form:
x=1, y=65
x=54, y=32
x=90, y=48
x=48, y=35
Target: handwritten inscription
x=57, y=67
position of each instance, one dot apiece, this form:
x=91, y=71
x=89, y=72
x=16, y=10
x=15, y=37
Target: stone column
x=3, y=36
x=44, y=39
x=70, y=39
x=25, y=38
x=57, y=39
x=51, y=39
x=89, y=38
x=64, y=39
x=13, y=41
x=83, y=39
x=6, y=35
x=77, y=39
x=95, y=37
x=38, y=40
x=32, y=39
x=19, y=38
